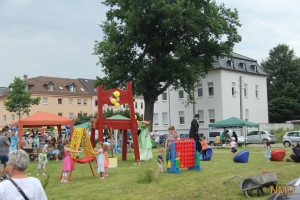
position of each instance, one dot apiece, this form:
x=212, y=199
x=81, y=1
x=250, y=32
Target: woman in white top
x=17, y=164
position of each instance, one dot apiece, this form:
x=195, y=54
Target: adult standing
x=194, y=133
x=30, y=186
x=173, y=135
x=145, y=145
x=156, y=135
x=4, y=149
x=295, y=152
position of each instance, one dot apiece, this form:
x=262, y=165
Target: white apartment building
x=217, y=97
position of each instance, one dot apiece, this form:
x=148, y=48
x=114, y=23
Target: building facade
x=217, y=97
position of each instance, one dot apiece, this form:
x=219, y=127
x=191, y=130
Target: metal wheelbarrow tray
x=254, y=185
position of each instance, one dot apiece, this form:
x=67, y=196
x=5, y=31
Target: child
x=14, y=139
x=268, y=151
x=36, y=141
x=67, y=163
x=233, y=146
x=161, y=161
x=42, y=162
x=100, y=159
x=106, y=161
x=204, y=147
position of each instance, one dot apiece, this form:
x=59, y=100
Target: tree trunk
x=149, y=109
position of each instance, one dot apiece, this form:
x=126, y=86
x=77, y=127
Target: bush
x=147, y=172
x=279, y=133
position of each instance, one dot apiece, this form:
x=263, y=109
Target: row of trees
x=283, y=68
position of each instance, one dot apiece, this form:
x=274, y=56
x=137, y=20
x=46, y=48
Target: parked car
x=290, y=137
x=261, y=137
x=212, y=137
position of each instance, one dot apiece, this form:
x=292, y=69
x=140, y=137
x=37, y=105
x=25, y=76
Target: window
x=72, y=88
x=246, y=114
x=59, y=114
x=70, y=101
x=181, y=117
x=233, y=89
x=142, y=115
x=164, y=96
x=142, y=105
x=4, y=118
x=79, y=115
x=200, y=90
x=85, y=114
x=155, y=119
x=256, y=91
x=50, y=87
x=12, y=118
x=135, y=105
x=45, y=100
x=245, y=90
x=71, y=115
x=181, y=95
x=201, y=116
x=60, y=88
x=165, y=118
x=96, y=102
x=84, y=102
x=82, y=89
x=59, y=101
x=211, y=114
x=79, y=102
x=210, y=89
x=232, y=64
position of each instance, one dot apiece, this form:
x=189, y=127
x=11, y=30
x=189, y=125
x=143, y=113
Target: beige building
x=62, y=96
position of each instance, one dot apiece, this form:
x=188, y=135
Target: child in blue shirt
x=14, y=139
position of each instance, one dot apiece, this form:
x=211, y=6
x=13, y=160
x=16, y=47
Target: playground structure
x=278, y=155
x=183, y=155
x=242, y=157
x=80, y=136
x=209, y=154
x=116, y=97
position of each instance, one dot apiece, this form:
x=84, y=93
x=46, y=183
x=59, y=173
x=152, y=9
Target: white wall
x=224, y=104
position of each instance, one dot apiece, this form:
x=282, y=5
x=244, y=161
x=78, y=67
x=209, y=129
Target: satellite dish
x=25, y=76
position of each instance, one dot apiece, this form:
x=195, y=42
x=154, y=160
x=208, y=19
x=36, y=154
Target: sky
x=56, y=38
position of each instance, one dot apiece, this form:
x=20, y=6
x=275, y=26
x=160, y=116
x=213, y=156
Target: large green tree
x=283, y=68
x=160, y=43
x=19, y=99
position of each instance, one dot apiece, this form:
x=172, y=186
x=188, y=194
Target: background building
x=217, y=97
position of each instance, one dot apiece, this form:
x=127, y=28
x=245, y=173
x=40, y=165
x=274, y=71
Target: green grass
x=124, y=182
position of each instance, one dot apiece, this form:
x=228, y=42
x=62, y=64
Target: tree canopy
x=156, y=44
x=19, y=99
x=283, y=68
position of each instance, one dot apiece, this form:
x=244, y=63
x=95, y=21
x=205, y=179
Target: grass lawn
x=122, y=182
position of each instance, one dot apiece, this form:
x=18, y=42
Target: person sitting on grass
x=296, y=152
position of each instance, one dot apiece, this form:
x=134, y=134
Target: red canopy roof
x=42, y=119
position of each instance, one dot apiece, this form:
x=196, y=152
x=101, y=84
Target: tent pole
x=245, y=136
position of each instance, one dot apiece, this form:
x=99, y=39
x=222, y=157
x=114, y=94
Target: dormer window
x=50, y=87
x=243, y=65
x=231, y=63
x=72, y=88
x=254, y=67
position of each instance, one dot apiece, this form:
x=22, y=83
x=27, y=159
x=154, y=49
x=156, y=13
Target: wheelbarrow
x=254, y=185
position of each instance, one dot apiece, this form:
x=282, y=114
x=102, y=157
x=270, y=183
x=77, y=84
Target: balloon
x=67, y=126
x=135, y=116
x=116, y=93
x=113, y=101
x=117, y=105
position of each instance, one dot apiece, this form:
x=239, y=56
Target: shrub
x=147, y=172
